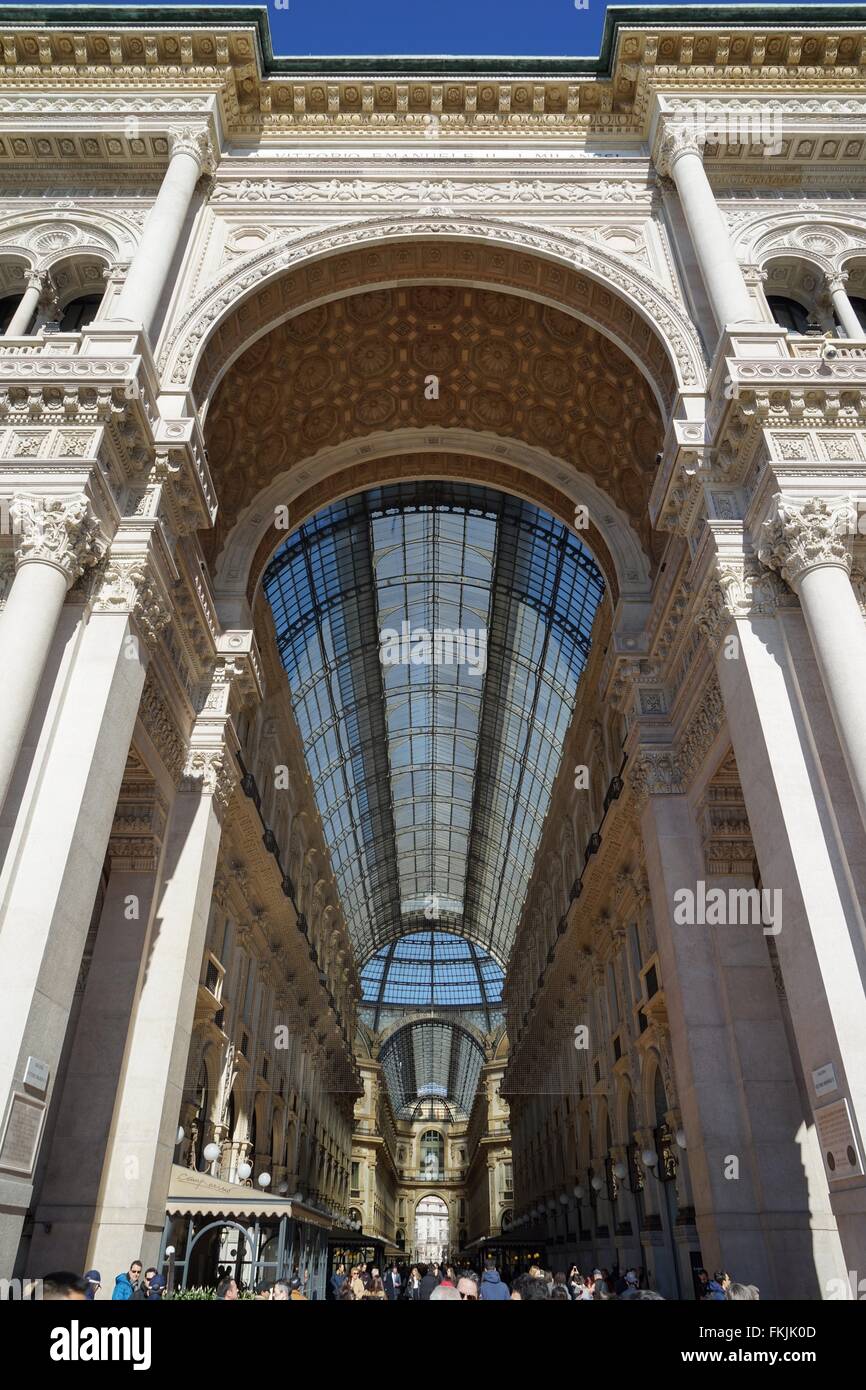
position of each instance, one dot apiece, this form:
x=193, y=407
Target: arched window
x=202, y=1108
x=432, y=1153
x=8, y=305
x=231, y=1117
x=859, y=307
x=788, y=313
x=79, y=312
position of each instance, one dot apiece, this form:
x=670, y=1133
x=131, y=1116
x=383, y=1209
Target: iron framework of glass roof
x=433, y=762
x=431, y=1058
x=432, y=969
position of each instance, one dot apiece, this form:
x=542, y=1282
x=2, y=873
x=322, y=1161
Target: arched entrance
x=435, y=359
x=431, y=1230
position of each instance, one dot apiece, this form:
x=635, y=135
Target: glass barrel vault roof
x=433, y=762
x=436, y=969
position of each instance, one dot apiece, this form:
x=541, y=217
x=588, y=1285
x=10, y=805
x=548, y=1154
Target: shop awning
x=198, y=1194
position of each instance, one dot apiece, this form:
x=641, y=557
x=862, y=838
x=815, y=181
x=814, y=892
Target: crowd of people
x=419, y=1283
x=446, y=1282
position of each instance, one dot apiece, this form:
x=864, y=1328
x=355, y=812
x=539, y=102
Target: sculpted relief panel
x=438, y=356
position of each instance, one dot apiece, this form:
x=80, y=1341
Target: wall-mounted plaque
x=19, y=1143
x=838, y=1142
x=824, y=1079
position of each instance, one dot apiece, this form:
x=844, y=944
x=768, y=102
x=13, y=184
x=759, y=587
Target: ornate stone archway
x=433, y=380
x=591, y=281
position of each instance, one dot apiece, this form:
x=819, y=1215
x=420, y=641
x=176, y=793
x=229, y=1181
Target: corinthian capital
x=213, y=772
x=656, y=772
x=800, y=536
x=738, y=588
x=195, y=142
x=127, y=586
x=836, y=280
x=59, y=531
x=677, y=140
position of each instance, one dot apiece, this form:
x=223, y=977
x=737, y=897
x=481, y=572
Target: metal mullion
x=379, y=682
x=479, y=731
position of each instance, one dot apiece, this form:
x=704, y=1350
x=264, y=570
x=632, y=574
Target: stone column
x=810, y=543
x=56, y=538
x=36, y=282
x=799, y=850
x=680, y=156
x=69, y=1191
x=51, y=873
x=708, y=1082
x=190, y=155
x=131, y=1209
x=844, y=309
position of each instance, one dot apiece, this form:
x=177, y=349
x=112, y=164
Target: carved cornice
x=58, y=531
x=202, y=55
x=803, y=534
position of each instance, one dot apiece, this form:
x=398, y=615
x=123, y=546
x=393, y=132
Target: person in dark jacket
x=393, y=1283
x=413, y=1285
x=492, y=1288
x=125, y=1285
x=142, y=1293
x=93, y=1279
x=429, y=1281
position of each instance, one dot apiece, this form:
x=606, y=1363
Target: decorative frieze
x=161, y=728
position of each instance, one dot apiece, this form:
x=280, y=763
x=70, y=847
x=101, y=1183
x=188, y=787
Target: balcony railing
x=435, y=1175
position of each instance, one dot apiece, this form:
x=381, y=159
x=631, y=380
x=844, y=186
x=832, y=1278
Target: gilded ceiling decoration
x=437, y=356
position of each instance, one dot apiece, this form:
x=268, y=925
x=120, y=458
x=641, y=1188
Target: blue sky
x=524, y=27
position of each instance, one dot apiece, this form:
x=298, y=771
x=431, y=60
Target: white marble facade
x=677, y=206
